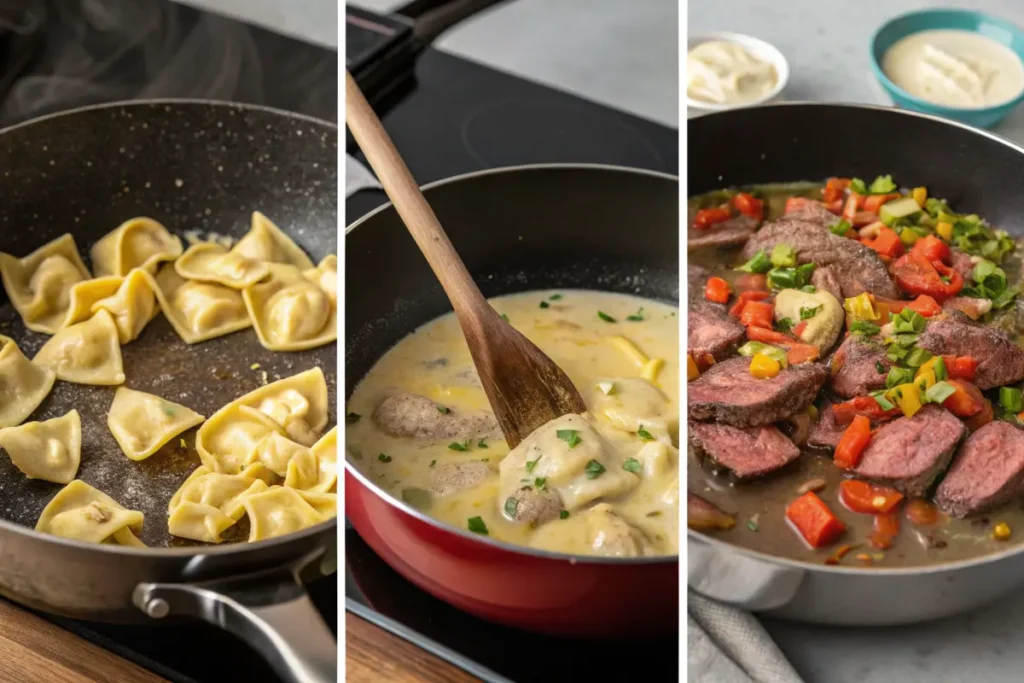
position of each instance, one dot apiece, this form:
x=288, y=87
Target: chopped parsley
x=456, y=446
x=384, y=457
x=481, y=444
x=545, y=304
x=840, y=228
x=605, y=317
x=808, y=312
x=784, y=325
x=541, y=483
x=352, y=418
x=477, y=526
x=444, y=410
x=511, y=507
x=433, y=462
x=554, y=297
x=632, y=465
x=636, y=317
x=564, y=514
x=533, y=463
x=570, y=436
x=504, y=316
x=879, y=367
x=594, y=469
x=644, y=434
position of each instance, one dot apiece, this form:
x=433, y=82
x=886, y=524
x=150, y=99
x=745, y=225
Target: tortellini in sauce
x=295, y=407
x=211, y=262
x=208, y=503
x=267, y=242
x=292, y=311
x=83, y=513
x=88, y=352
x=136, y=243
x=199, y=311
x=39, y=285
x=23, y=384
x=50, y=450
x=633, y=404
x=142, y=423
x=279, y=511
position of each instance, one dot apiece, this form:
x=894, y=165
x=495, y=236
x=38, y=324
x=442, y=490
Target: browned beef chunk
x=747, y=453
x=1000, y=360
x=696, y=279
x=855, y=367
x=908, y=454
x=730, y=233
x=710, y=330
x=417, y=417
x=812, y=211
x=987, y=472
x=825, y=433
x=728, y=393
x=825, y=278
x=961, y=263
x=457, y=476
x=857, y=268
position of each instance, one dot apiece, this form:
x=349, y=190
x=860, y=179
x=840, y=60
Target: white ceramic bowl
x=758, y=48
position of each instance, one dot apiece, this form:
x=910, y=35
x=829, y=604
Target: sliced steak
x=825, y=278
x=417, y=417
x=858, y=268
x=988, y=471
x=825, y=433
x=910, y=453
x=855, y=367
x=747, y=453
x=1000, y=360
x=696, y=280
x=710, y=330
x=816, y=212
x=728, y=393
x=730, y=233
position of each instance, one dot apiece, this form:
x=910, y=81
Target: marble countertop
x=827, y=48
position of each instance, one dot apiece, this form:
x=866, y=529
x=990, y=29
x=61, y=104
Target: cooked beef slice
x=909, y=453
x=812, y=211
x=728, y=393
x=747, y=453
x=417, y=417
x=1000, y=360
x=987, y=472
x=534, y=507
x=696, y=280
x=961, y=263
x=972, y=307
x=825, y=278
x=457, y=476
x=825, y=433
x=710, y=330
x=855, y=367
x=857, y=268
x=730, y=233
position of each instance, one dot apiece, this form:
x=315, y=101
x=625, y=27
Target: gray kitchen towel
x=358, y=177
x=728, y=645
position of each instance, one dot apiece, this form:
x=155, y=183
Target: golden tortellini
x=85, y=353
x=136, y=243
x=279, y=511
x=83, y=513
x=211, y=262
x=141, y=423
x=267, y=242
x=86, y=294
x=39, y=285
x=291, y=311
x=208, y=503
x=285, y=458
x=199, y=311
x=23, y=384
x=295, y=407
x=326, y=452
x=132, y=306
x=50, y=450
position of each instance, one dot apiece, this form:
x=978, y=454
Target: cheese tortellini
x=292, y=311
x=39, y=285
x=132, y=306
x=50, y=450
x=88, y=352
x=83, y=513
x=295, y=407
x=279, y=511
x=267, y=242
x=199, y=311
x=23, y=384
x=208, y=503
x=136, y=243
x=85, y=294
x=211, y=262
x=141, y=423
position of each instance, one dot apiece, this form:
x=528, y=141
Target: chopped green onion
x=898, y=376
x=605, y=317
x=632, y=465
x=384, y=457
x=939, y=368
x=939, y=392
x=881, y=400
x=594, y=469
x=917, y=357
x=783, y=256
x=1011, y=399
x=864, y=327
x=760, y=263
x=477, y=526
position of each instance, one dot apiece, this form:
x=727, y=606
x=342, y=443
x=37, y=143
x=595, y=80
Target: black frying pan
x=191, y=166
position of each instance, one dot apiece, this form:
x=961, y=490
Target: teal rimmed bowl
x=999, y=30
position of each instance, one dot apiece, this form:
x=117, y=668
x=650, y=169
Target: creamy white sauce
x=722, y=72
x=955, y=68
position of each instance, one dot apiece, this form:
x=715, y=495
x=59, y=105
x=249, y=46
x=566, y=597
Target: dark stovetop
x=61, y=54
x=462, y=117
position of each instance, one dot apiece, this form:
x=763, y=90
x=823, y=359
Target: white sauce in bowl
x=723, y=72
x=954, y=68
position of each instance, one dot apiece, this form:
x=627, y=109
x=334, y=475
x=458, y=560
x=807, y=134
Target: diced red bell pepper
x=850, y=207
x=717, y=290
x=797, y=353
x=798, y=329
x=925, y=305
x=873, y=203
x=834, y=189
x=966, y=400
x=835, y=207
x=960, y=367
x=862, y=405
x=932, y=248
x=752, y=282
x=886, y=529
x=862, y=218
x=916, y=275
x=860, y=496
x=757, y=314
x=814, y=520
x=797, y=203
x=852, y=443
x=749, y=205
x=744, y=297
x=982, y=417
x=769, y=336
x=705, y=218
x=887, y=243
x=922, y=512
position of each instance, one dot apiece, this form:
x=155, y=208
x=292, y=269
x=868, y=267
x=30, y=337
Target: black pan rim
x=187, y=551
x=803, y=565
x=502, y=545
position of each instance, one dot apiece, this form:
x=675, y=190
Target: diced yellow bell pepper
x=945, y=231
x=928, y=365
x=919, y=194
x=862, y=307
x=924, y=379
x=692, y=372
x=764, y=367
x=909, y=237
x=907, y=397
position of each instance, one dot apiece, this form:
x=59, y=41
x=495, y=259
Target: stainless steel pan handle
x=270, y=610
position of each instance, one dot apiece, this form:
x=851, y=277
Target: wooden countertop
x=373, y=654
x=33, y=649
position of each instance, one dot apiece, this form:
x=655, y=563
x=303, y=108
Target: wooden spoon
x=525, y=387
